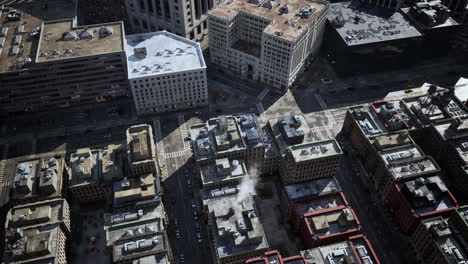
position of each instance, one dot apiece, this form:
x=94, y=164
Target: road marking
x=183, y=131
x=321, y=128
x=3, y=163
x=175, y=154
x=158, y=137
x=263, y=94
x=261, y=112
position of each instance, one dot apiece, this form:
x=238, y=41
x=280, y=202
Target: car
x=193, y=204
x=198, y=235
x=194, y=212
x=408, y=90
x=195, y=217
x=200, y=240
x=326, y=81
x=197, y=227
x=176, y=223
x=197, y=113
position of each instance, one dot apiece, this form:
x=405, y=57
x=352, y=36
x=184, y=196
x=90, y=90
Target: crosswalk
x=321, y=128
x=3, y=164
x=261, y=111
x=183, y=131
x=158, y=137
x=175, y=154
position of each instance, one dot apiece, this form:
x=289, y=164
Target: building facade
x=166, y=72
x=270, y=41
x=141, y=150
x=184, y=18
x=63, y=65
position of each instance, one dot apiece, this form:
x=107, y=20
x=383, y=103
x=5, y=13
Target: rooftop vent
x=68, y=36
x=285, y=9
x=305, y=11
x=4, y=32
x=269, y=4
x=279, y=32
x=140, y=53
x=105, y=31
x=86, y=34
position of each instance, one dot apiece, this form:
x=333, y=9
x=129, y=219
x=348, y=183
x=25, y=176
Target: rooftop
x=366, y=120
x=386, y=141
x=412, y=168
x=84, y=167
x=427, y=195
x=312, y=188
x=237, y=227
x=332, y=222
x=286, y=18
x=315, y=150
x=429, y=14
x=392, y=114
x=322, y=203
x=208, y=194
x=290, y=130
x=161, y=259
x=140, y=144
x=132, y=217
x=22, y=20
x=223, y=170
x=136, y=190
x=274, y=257
x=356, y=250
x=461, y=90
x=224, y=134
x=358, y=23
x=463, y=212
x=34, y=214
x=62, y=39
x=32, y=245
x=446, y=240
x=402, y=153
x=41, y=176
x=159, y=53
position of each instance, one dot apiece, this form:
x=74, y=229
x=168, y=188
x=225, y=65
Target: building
x=222, y=172
x=166, y=72
x=36, y=178
x=105, y=11
x=187, y=19
x=437, y=241
x=273, y=257
x=459, y=220
x=233, y=137
x=137, y=192
x=365, y=38
x=235, y=229
x=355, y=250
x=141, y=150
x=268, y=41
x=42, y=73
x=421, y=198
x=38, y=233
x=293, y=195
x=301, y=156
x=138, y=234
x=330, y=225
x=92, y=172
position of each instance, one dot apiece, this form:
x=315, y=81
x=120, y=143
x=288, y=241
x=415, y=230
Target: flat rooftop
x=312, y=188
x=84, y=167
x=386, y=141
x=290, y=130
x=356, y=250
x=328, y=202
x=135, y=190
x=358, y=23
x=402, y=153
x=290, y=17
x=463, y=212
x=35, y=214
x=427, y=195
x=237, y=227
x=446, y=240
x=223, y=170
x=412, y=168
x=159, y=53
x=140, y=143
x=131, y=217
x=367, y=120
x=161, y=259
x=62, y=39
x=332, y=222
x=461, y=89
x=224, y=134
x=461, y=146
x=315, y=150
x=31, y=14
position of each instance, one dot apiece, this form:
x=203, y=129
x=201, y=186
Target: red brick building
x=414, y=200
x=329, y=226
x=275, y=257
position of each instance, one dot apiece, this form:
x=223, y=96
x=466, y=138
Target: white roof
x=166, y=53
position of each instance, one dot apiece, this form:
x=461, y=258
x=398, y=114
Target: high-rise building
x=51, y=64
x=436, y=241
x=38, y=233
x=138, y=233
x=165, y=72
x=141, y=150
x=233, y=137
x=268, y=41
x=302, y=157
x=417, y=199
x=356, y=249
x=330, y=225
x=186, y=18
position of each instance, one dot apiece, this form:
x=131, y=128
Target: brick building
x=275, y=257
x=141, y=150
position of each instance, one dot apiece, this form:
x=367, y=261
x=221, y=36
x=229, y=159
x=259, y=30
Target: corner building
x=267, y=41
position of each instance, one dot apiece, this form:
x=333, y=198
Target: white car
x=193, y=204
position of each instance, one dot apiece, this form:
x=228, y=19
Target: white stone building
x=268, y=41
x=166, y=72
